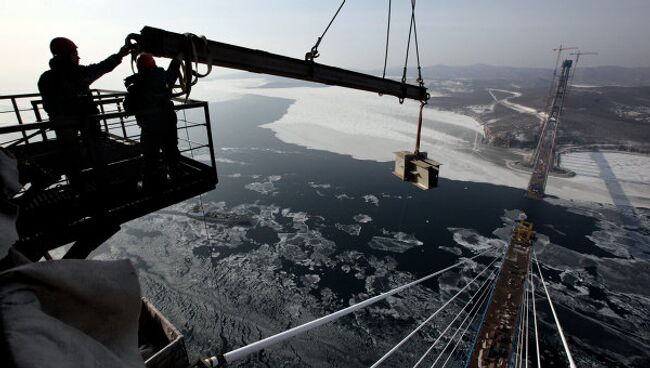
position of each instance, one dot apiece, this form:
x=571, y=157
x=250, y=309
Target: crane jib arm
x=162, y=43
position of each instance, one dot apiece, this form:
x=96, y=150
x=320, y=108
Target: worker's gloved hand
x=180, y=56
x=128, y=81
x=124, y=50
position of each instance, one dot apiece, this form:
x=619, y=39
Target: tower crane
x=549, y=96
x=575, y=64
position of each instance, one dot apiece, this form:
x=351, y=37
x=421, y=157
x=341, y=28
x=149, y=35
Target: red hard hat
x=62, y=46
x=145, y=61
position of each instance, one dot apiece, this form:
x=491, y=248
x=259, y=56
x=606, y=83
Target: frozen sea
x=297, y=229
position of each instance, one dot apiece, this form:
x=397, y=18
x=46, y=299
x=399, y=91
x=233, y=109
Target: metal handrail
x=113, y=120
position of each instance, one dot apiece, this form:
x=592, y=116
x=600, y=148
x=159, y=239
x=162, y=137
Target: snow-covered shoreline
x=368, y=127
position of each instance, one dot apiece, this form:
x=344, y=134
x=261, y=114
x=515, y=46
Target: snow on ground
x=625, y=167
x=584, y=86
x=481, y=109
x=514, y=106
x=617, y=178
x=219, y=90
x=447, y=86
x=368, y=127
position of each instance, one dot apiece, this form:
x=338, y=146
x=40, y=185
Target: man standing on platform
x=149, y=98
x=67, y=99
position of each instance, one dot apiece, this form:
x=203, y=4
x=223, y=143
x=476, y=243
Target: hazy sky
x=455, y=32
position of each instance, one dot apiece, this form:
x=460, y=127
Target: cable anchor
x=313, y=53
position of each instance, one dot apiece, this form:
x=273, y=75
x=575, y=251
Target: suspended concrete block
x=417, y=169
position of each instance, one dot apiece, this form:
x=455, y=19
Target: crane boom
x=167, y=44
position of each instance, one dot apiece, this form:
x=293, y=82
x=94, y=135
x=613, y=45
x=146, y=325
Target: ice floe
x=352, y=229
x=264, y=187
x=343, y=196
x=397, y=242
x=319, y=186
x=371, y=198
x=477, y=243
x=362, y=218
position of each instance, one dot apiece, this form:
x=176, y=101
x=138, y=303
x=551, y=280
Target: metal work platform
x=494, y=343
x=108, y=190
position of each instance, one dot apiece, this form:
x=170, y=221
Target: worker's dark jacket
x=149, y=98
x=65, y=88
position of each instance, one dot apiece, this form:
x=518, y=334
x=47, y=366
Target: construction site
x=268, y=239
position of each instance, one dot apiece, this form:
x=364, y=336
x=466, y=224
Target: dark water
x=256, y=168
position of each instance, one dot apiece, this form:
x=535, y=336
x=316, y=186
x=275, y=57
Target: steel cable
x=404, y=340
x=412, y=30
x=527, y=303
x=483, y=289
x=244, y=351
x=313, y=53
x=408, y=44
x=476, y=313
x=532, y=294
x=557, y=321
x=417, y=46
x=387, y=38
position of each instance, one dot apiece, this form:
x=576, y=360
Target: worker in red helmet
x=67, y=99
x=65, y=88
x=149, y=99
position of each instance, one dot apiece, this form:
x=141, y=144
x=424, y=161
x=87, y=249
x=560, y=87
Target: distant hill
x=599, y=76
x=485, y=72
x=596, y=76
x=613, y=76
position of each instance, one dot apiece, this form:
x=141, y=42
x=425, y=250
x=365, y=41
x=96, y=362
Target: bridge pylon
x=543, y=159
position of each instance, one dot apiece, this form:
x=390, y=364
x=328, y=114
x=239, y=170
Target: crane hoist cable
x=414, y=31
x=413, y=28
x=415, y=167
x=387, y=37
x=313, y=53
x=417, y=44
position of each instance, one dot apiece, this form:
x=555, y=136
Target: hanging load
x=414, y=167
x=417, y=169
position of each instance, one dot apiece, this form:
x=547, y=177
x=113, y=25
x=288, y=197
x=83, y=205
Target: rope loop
x=132, y=42
x=190, y=76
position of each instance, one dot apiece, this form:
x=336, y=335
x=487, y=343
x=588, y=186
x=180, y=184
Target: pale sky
x=454, y=32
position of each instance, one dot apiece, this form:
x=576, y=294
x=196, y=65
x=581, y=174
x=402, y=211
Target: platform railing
x=23, y=121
